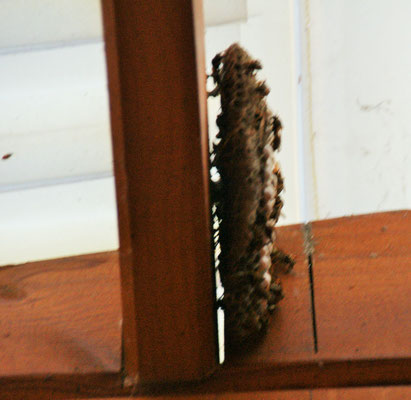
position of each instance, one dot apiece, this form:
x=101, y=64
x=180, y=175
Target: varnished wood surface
x=43, y=304
x=316, y=373
x=377, y=393
x=367, y=393
x=61, y=316
x=128, y=295
x=99, y=387
x=61, y=387
x=155, y=55
x=277, y=395
x=361, y=274
x=362, y=286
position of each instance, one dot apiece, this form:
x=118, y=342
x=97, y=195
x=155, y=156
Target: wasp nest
x=247, y=202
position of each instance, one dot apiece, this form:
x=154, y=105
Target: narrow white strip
x=58, y=221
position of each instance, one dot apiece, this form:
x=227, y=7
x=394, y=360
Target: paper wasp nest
x=246, y=199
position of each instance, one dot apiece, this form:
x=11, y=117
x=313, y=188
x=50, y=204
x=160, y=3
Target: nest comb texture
x=247, y=203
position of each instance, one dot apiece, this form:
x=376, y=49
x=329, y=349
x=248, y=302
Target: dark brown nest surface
x=247, y=202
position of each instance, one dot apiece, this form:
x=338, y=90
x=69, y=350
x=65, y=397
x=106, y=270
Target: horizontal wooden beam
x=98, y=387
x=39, y=300
x=374, y=393
x=362, y=286
x=61, y=316
x=263, y=377
x=62, y=386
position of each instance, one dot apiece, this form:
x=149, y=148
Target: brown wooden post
x=155, y=55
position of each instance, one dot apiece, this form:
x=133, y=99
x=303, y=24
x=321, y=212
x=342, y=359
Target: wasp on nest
x=246, y=199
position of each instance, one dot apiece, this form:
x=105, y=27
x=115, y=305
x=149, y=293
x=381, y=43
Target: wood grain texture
x=158, y=113
x=79, y=298
x=290, y=334
x=362, y=286
x=128, y=295
x=376, y=393
x=85, y=391
x=187, y=397
x=368, y=235
x=273, y=375
x=60, y=316
x=61, y=387
x=275, y=395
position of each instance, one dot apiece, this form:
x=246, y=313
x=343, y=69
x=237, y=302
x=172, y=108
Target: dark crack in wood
x=309, y=251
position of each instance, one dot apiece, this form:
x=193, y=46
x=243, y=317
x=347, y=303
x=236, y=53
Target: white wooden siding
x=54, y=116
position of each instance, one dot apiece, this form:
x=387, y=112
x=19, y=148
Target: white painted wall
x=357, y=84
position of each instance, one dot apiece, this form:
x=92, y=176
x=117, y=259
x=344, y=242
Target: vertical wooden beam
x=155, y=55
